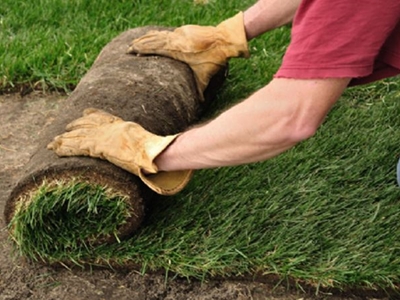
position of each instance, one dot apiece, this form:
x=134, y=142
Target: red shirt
x=359, y=39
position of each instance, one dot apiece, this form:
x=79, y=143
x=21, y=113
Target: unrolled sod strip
x=157, y=92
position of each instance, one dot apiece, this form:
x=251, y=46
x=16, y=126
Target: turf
x=62, y=219
x=326, y=212
x=52, y=43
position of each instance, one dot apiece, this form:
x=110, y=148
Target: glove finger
x=92, y=118
x=153, y=42
x=76, y=142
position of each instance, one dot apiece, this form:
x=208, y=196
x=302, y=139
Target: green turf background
x=326, y=212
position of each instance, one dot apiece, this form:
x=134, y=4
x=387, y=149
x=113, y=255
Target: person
x=334, y=45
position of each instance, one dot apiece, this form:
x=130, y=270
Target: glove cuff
x=233, y=29
x=164, y=183
x=167, y=183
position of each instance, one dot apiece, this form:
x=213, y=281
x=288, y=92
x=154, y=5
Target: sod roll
x=80, y=202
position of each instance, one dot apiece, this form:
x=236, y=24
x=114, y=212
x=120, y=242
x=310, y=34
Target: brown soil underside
x=134, y=88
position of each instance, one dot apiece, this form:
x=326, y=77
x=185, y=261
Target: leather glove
x=125, y=144
x=206, y=49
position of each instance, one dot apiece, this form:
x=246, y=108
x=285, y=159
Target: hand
x=206, y=49
x=125, y=144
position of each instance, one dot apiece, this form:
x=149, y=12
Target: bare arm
x=272, y=120
x=266, y=15
x=269, y=122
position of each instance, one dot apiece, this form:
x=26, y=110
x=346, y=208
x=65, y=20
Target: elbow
x=287, y=135
x=292, y=133
x=301, y=126
x=301, y=132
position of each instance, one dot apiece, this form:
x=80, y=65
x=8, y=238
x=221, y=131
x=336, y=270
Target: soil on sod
x=134, y=88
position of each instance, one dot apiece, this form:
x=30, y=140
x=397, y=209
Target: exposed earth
x=22, y=119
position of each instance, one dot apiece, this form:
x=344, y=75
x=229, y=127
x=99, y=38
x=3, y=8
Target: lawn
x=325, y=212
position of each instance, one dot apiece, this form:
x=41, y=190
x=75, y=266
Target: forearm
x=235, y=137
x=266, y=15
x=266, y=124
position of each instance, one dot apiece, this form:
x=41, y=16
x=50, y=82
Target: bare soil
x=21, y=121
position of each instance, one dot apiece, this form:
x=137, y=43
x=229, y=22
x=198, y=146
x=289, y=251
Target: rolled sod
x=76, y=203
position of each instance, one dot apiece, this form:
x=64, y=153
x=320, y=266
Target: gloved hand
x=125, y=144
x=206, y=49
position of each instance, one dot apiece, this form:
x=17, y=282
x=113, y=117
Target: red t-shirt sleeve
x=344, y=38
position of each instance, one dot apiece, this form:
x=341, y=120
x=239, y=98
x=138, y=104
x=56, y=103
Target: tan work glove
x=206, y=49
x=125, y=144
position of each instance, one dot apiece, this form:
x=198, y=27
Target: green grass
x=63, y=219
x=53, y=42
x=326, y=212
